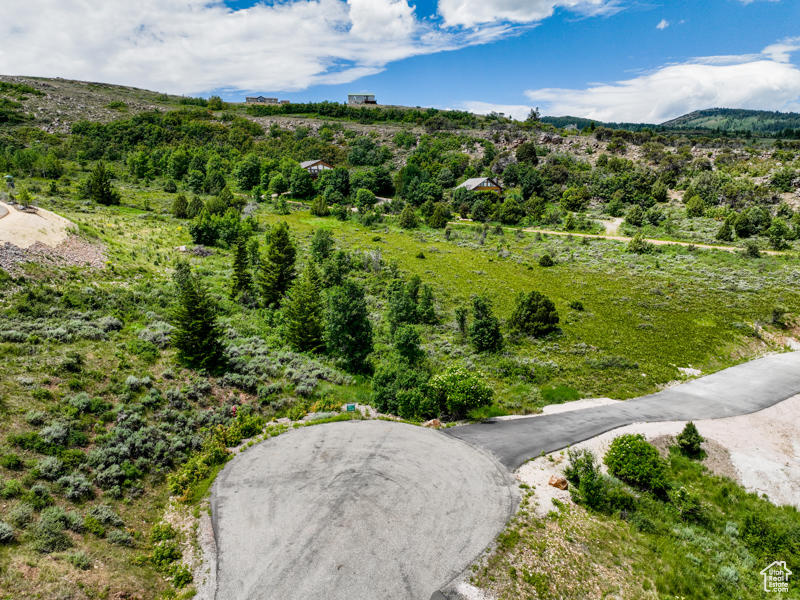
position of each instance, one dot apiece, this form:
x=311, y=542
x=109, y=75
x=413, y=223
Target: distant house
x=260, y=100
x=358, y=99
x=481, y=184
x=315, y=167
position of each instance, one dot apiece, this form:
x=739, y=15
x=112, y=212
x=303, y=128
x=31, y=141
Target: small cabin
x=359, y=99
x=315, y=167
x=260, y=100
x=481, y=184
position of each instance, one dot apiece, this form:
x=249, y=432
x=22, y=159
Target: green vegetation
x=700, y=536
x=234, y=289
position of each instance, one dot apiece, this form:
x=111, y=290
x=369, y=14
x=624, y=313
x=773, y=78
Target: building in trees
x=315, y=167
x=359, y=99
x=481, y=184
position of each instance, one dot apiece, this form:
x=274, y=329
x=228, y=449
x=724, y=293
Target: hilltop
x=727, y=120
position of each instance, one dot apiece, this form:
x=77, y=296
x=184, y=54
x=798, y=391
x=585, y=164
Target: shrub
x=457, y=391
x=11, y=461
x=80, y=560
x=161, y=532
x=593, y=489
x=164, y=554
x=6, y=533
x=76, y=487
x=689, y=441
x=106, y=515
x=47, y=535
x=181, y=576
x=21, y=514
x=695, y=207
x=11, y=489
x=687, y=505
x=751, y=249
x=534, y=314
x=39, y=497
x=50, y=468
x=120, y=538
x=639, y=245
x=545, y=260
x=407, y=343
x=633, y=460
x=576, y=305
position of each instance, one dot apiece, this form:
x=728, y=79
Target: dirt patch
x=24, y=228
x=73, y=251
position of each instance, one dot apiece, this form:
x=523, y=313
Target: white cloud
x=194, y=46
x=662, y=24
x=517, y=111
x=765, y=81
x=191, y=46
x=468, y=13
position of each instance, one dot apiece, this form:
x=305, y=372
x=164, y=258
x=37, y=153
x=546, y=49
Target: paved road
x=366, y=510
x=739, y=390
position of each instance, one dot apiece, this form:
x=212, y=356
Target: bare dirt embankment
x=42, y=236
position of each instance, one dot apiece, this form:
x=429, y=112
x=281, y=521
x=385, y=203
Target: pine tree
x=180, y=208
x=98, y=186
x=425, y=309
x=277, y=267
x=348, y=332
x=408, y=218
x=303, y=312
x=485, y=330
x=242, y=287
x=725, y=232
x=194, y=208
x=197, y=333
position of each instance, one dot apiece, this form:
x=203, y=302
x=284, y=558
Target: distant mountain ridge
x=714, y=119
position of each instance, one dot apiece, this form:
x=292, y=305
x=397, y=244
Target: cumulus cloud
x=468, y=13
x=766, y=81
x=191, y=46
x=662, y=24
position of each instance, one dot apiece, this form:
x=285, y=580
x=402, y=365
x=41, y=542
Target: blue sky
x=625, y=60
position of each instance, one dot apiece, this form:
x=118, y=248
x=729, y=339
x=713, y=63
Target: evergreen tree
x=180, y=208
x=98, y=186
x=303, y=313
x=725, y=231
x=321, y=244
x=485, y=329
x=408, y=218
x=242, y=287
x=534, y=314
x=277, y=267
x=439, y=217
x=407, y=344
x=194, y=208
x=319, y=207
x=426, y=313
x=197, y=333
x=348, y=332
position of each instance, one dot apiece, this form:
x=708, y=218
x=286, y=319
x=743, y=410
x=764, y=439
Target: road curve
x=362, y=510
x=739, y=390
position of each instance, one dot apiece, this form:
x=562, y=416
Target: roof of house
x=475, y=182
x=310, y=163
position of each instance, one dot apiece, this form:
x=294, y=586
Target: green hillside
x=730, y=119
